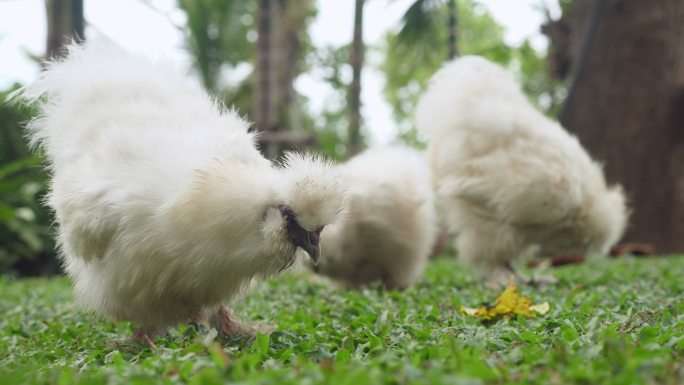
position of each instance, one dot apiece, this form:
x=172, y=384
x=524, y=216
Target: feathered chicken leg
x=229, y=325
x=224, y=321
x=144, y=336
x=200, y=318
x=499, y=276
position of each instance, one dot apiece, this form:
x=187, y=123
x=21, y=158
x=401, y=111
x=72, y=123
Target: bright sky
x=137, y=27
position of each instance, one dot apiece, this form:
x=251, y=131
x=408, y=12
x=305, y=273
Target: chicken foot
x=144, y=336
x=228, y=325
x=499, y=277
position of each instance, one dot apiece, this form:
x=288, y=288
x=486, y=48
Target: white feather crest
x=313, y=189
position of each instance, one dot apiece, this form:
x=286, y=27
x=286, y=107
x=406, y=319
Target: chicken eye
x=288, y=215
x=290, y=218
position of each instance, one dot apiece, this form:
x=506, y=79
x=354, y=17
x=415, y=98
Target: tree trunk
x=294, y=18
x=453, y=28
x=279, y=25
x=265, y=109
x=627, y=107
x=64, y=24
x=356, y=59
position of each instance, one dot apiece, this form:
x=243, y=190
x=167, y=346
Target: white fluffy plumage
x=165, y=207
x=511, y=180
x=390, y=226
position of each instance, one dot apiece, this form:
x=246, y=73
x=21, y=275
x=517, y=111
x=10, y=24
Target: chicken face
x=308, y=241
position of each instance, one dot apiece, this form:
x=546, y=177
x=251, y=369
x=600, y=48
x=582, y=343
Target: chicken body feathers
x=510, y=178
x=163, y=202
x=390, y=226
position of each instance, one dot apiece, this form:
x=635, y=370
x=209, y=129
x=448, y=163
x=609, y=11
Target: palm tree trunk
x=356, y=59
x=65, y=23
x=276, y=111
x=453, y=28
x=294, y=17
x=264, y=109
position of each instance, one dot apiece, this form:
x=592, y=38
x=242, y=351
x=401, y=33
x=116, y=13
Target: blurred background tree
x=354, y=142
x=625, y=101
x=219, y=38
x=250, y=53
x=64, y=23
x=625, y=61
x=424, y=42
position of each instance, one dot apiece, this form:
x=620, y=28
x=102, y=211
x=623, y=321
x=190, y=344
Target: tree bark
x=279, y=26
x=356, y=59
x=64, y=24
x=294, y=19
x=627, y=108
x=453, y=28
x=265, y=109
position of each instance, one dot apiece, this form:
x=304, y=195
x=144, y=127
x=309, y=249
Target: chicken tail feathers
x=470, y=93
x=82, y=86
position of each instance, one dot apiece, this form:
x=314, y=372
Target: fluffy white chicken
x=390, y=226
x=165, y=207
x=512, y=181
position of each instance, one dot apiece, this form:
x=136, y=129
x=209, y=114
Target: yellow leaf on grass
x=509, y=303
x=469, y=310
x=542, y=308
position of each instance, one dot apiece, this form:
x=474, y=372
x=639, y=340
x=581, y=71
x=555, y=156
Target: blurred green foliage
x=333, y=123
x=26, y=244
x=220, y=36
x=216, y=34
x=419, y=48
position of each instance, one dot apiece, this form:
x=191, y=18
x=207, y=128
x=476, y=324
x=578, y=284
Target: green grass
x=611, y=322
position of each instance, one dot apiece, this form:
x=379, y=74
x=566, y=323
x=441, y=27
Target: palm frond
x=421, y=18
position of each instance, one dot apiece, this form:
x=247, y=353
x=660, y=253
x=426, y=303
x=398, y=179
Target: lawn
x=611, y=322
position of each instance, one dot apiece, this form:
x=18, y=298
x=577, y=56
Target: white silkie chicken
x=165, y=207
x=391, y=225
x=512, y=181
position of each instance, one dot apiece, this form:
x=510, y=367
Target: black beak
x=314, y=251
x=309, y=241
